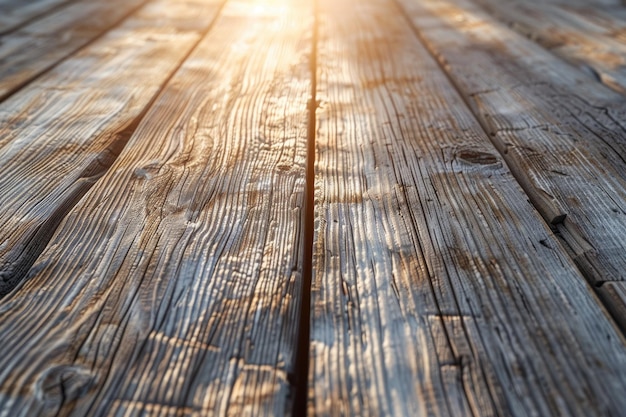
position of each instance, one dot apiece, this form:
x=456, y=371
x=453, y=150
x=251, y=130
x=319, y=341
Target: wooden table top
x=312, y=207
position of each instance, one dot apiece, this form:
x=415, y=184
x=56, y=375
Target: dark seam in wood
x=301, y=368
x=104, y=31
x=90, y=175
x=552, y=223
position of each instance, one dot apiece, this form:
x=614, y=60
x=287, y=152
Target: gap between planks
x=304, y=330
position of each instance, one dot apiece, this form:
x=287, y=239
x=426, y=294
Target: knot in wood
x=477, y=157
x=63, y=383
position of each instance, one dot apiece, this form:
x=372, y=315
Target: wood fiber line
x=562, y=134
x=589, y=36
x=38, y=46
x=61, y=133
x=17, y=13
x=437, y=288
x=172, y=288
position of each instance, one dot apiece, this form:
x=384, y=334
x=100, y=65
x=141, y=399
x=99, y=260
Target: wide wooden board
x=590, y=36
x=173, y=287
x=59, y=134
x=36, y=47
x=438, y=289
x=561, y=132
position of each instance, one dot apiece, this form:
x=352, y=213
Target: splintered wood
x=312, y=207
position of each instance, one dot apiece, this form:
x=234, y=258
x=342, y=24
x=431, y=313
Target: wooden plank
x=614, y=296
x=561, y=133
x=35, y=48
x=15, y=13
x=59, y=134
x=172, y=288
x=588, y=36
x=438, y=289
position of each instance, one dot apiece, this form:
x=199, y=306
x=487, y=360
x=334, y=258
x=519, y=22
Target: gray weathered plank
x=173, y=287
x=614, y=296
x=438, y=289
x=15, y=13
x=562, y=133
x=60, y=133
x=33, y=49
x=590, y=36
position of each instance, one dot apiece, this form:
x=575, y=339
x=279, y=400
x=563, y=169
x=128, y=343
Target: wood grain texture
x=59, y=134
x=562, y=134
x=589, y=36
x=172, y=288
x=16, y=13
x=35, y=48
x=438, y=289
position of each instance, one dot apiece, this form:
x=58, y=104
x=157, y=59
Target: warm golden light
x=260, y=8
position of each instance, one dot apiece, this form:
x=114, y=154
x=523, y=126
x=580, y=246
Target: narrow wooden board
x=172, y=288
x=59, y=134
x=562, y=134
x=35, y=48
x=589, y=36
x=438, y=289
x=15, y=13
x=614, y=296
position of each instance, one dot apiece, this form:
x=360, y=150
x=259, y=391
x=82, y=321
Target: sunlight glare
x=260, y=8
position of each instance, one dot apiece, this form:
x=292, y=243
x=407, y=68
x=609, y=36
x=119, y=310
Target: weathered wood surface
x=589, y=36
x=562, y=133
x=172, y=288
x=438, y=289
x=34, y=48
x=170, y=154
x=59, y=134
x=16, y=13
